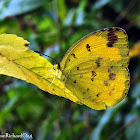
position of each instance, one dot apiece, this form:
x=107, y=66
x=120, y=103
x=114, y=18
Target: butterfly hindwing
x=105, y=85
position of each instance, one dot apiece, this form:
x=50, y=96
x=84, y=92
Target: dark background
x=52, y=26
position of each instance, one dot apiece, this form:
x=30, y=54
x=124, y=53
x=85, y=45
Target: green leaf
x=133, y=131
x=136, y=91
x=105, y=119
x=17, y=7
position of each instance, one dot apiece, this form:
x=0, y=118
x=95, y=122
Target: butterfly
x=95, y=69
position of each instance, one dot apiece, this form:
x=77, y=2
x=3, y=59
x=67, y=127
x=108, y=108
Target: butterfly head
x=59, y=73
x=56, y=66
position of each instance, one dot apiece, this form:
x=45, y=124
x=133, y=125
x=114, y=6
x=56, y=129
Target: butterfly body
x=95, y=69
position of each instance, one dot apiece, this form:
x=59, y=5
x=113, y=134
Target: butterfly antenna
x=49, y=57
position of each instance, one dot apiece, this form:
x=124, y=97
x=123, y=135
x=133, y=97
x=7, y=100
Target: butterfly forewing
x=109, y=42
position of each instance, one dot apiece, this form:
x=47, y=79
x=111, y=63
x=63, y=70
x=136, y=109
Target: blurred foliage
x=52, y=27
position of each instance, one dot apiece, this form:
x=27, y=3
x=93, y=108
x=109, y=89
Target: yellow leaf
x=135, y=50
x=18, y=61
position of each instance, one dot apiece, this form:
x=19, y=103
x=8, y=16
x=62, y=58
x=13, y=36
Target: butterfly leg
x=52, y=82
x=46, y=75
x=49, y=73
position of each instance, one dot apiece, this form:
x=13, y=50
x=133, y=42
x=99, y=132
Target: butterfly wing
x=97, y=68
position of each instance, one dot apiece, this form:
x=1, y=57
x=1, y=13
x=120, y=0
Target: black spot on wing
x=77, y=68
x=92, y=79
x=112, y=76
x=74, y=81
x=98, y=62
x=102, y=29
x=112, y=38
x=109, y=70
x=110, y=93
x=111, y=67
x=93, y=75
x=87, y=89
x=84, y=93
x=98, y=94
x=27, y=44
x=73, y=55
x=88, y=47
x=106, y=83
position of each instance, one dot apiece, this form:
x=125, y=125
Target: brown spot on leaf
x=112, y=76
x=88, y=47
x=81, y=76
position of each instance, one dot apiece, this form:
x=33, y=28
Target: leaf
x=133, y=131
x=135, y=50
x=17, y=7
x=18, y=61
x=99, y=4
x=4, y=113
x=61, y=9
x=136, y=91
x=105, y=119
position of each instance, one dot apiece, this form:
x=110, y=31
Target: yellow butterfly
x=95, y=69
